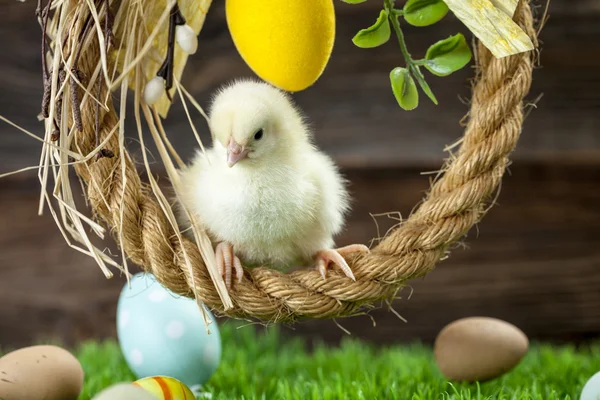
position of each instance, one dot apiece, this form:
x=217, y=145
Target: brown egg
x=479, y=349
x=40, y=372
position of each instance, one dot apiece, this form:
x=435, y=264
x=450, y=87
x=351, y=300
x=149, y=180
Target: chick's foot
x=227, y=261
x=336, y=256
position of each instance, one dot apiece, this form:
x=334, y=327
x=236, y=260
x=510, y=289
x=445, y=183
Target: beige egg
x=40, y=372
x=479, y=349
x=124, y=391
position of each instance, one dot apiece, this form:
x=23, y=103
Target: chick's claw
x=227, y=261
x=336, y=256
x=353, y=248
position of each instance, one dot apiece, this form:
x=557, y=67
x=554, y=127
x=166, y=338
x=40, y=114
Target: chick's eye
x=258, y=135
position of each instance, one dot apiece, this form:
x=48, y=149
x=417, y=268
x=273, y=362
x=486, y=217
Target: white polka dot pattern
x=175, y=329
x=136, y=356
x=157, y=295
x=124, y=318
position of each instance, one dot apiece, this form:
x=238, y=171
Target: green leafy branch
x=441, y=59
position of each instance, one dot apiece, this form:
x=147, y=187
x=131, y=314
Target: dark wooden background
x=534, y=260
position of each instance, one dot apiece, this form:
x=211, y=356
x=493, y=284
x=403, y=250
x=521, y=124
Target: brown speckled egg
x=479, y=349
x=40, y=372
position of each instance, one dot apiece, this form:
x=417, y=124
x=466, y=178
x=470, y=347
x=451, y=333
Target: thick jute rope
x=456, y=202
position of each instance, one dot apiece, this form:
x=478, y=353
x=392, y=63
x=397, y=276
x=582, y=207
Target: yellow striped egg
x=285, y=42
x=165, y=388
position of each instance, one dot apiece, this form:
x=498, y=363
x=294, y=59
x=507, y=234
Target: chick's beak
x=235, y=153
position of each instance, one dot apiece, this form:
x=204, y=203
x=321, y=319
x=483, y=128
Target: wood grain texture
x=351, y=107
x=533, y=261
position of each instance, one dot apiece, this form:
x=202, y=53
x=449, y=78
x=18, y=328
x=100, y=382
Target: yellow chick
x=264, y=193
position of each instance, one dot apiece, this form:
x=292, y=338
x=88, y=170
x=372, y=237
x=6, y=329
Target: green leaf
x=375, y=35
x=421, y=81
x=448, y=55
x=424, y=12
x=354, y=1
x=404, y=88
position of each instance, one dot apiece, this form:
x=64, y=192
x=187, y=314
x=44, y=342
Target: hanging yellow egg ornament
x=165, y=388
x=285, y=42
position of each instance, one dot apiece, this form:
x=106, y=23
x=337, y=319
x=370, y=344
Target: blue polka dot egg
x=161, y=333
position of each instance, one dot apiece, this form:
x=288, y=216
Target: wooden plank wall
x=534, y=260
x=351, y=107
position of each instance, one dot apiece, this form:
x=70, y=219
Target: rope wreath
x=455, y=202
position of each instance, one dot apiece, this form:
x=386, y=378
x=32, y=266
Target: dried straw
x=140, y=215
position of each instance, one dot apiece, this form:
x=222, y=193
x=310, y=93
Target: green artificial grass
x=268, y=366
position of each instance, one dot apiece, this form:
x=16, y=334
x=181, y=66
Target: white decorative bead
x=186, y=38
x=154, y=89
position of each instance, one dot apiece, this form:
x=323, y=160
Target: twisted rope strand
x=454, y=204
